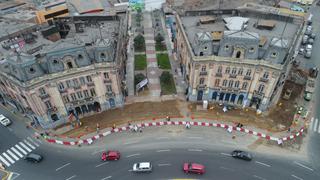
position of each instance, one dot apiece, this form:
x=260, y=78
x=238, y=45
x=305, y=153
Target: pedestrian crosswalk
x=315, y=125
x=18, y=151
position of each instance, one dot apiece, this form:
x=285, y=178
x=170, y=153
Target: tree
x=139, y=43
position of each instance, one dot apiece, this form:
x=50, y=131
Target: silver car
x=308, y=54
x=142, y=167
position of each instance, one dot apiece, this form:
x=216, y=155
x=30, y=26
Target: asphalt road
x=167, y=149
x=314, y=130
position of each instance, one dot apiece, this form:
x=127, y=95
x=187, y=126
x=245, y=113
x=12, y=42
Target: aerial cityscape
x=159, y=89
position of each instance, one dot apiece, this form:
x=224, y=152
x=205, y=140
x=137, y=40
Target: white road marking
x=106, y=178
x=195, y=150
x=319, y=128
x=296, y=177
x=133, y=155
x=22, y=150
x=101, y=164
x=163, y=150
x=225, y=154
x=8, y=157
x=315, y=125
x=164, y=164
x=31, y=140
x=12, y=155
x=311, y=123
x=62, y=166
x=163, y=138
x=264, y=164
x=127, y=143
x=97, y=151
x=71, y=177
x=25, y=147
x=4, y=161
x=13, y=175
x=195, y=137
x=25, y=141
x=229, y=169
x=130, y=170
x=258, y=177
x=301, y=165
x=16, y=151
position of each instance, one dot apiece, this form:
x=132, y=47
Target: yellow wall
x=42, y=13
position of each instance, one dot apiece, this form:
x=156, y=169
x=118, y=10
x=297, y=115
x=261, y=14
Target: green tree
x=139, y=43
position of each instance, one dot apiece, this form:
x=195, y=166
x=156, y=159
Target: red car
x=193, y=168
x=110, y=155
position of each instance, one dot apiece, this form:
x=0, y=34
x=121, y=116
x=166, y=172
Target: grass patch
x=163, y=61
x=160, y=47
x=140, y=62
x=167, y=83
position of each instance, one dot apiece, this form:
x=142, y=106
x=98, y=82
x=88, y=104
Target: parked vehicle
x=241, y=155
x=142, y=167
x=287, y=94
x=32, y=157
x=309, y=47
x=308, y=54
x=193, y=168
x=4, y=120
x=110, y=155
x=309, y=90
x=305, y=39
x=310, y=41
x=313, y=36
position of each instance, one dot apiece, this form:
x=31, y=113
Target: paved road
x=167, y=148
x=314, y=130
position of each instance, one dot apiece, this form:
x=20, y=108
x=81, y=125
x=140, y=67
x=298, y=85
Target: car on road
x=307, y=96
x=241, y=155
x=193, y=168
x=32, y=157
x=4, y=120
x=110, y=155
x=142, y=167
x=308, y=54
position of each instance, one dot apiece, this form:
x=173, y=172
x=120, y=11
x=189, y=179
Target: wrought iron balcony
x=218, y=74
x=44, y=96
x=262, y=79
x=76, y=87
x=107, y=81
x=90, y=84
x=203, y=73
x=110, y=94
x=233, y=76
x=247, y=77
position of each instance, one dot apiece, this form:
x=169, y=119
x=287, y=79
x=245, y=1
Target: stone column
x=56, y=99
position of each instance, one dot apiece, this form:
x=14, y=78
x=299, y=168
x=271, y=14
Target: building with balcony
x=236, y=56
x=80, y=72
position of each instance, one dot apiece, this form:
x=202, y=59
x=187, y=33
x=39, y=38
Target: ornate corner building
x=75, y=65
x=237, y=56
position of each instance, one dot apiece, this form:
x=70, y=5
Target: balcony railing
x=44, y=96
x=107, y=81
x=247, y=77
x=262, y=79
x=218, y=74
x=76, y=87
x=202, y=86
x=232, y=76
x=110, y=94
x=63, y=91
x=203, y=73
x=90, y=84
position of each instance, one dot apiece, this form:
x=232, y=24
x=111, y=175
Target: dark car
x=32, y=157
x=241, y=155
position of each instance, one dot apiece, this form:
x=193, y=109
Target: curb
x=163, y=123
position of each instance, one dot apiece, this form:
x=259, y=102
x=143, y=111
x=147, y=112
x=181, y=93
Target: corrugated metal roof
x=85, y=6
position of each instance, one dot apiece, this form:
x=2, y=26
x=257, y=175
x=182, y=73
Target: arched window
x=234, y=71
x=224, y=83
x=230, y=83
x=240, y=71
x=236, y=84
x=201, y=81
x=203, y=68
x=227, y=70
x=266, y=75
x=261, y=88
x=244, y=85
x=220, y=69
x=201, y=53
x=69, y=64
x=103, y=56
x=248, y=72
x=238, y=55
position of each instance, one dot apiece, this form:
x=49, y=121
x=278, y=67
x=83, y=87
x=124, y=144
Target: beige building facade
x=230, y=58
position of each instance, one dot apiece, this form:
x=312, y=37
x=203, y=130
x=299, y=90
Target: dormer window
x=32, y=70
x=103, y=56
x=80, y=57
x=55, y=61
x=69, y=64
x=205, y=48
x=274, y=54
x=226, y=47
x=251, y=50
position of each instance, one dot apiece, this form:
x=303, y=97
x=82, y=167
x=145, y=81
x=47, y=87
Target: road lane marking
x=258, y=177
x=31, y=140
x=97, y=151
x=311, y=123
x=130, y=170
x=4, y=161
x=22, y=150
x=301, y=165
x=229, y=169
x=195, y=150
x=62, y=166
x=296, y=177
x=25, y=141
x=264, y=164
x=133, y=155
x=16, y=151
x=12, y=155
x=106, y=178
x=8, y=158
x=315, y=125
x=163, y=150
x=24, y=146
x=133, y=142
x=71, y=177
x=193, y=137
x=225, y=154
x=101, y=164
x=164, y=164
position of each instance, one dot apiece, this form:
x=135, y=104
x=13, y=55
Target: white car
x=4, y=120
x=142, y=167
